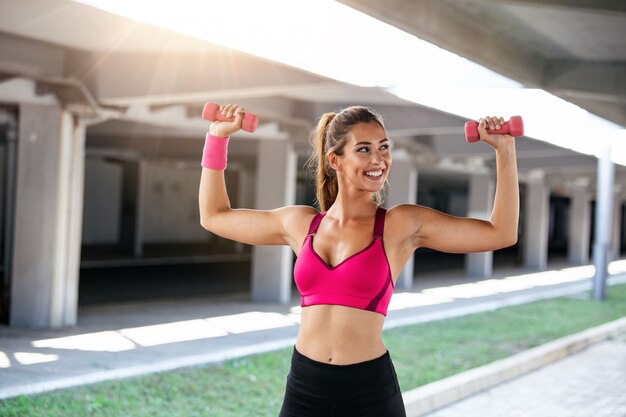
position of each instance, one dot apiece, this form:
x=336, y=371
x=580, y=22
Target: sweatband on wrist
x=214, y=152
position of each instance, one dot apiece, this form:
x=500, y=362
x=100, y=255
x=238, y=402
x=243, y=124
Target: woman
x=344, y=271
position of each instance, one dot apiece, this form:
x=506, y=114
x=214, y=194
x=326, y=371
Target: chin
x=374, y=188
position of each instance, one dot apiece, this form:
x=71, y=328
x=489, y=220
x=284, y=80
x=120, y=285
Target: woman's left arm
x=446, y=233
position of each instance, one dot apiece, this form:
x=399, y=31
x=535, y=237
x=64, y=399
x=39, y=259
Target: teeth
x=374, y=173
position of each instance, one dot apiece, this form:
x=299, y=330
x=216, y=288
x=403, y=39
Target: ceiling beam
x=157, y=78
x=401, y=119
x=30, y=57
x=604, y=81
x=609, y=111
x=597, y=5
x=435, y=22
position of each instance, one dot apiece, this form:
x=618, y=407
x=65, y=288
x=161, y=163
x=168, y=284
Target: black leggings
x=364, y=389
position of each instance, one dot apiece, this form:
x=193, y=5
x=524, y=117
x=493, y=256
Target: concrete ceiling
x=138, y=74
x=575, y=49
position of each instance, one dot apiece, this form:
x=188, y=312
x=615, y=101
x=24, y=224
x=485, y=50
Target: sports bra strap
x=316, y=222
x=379, y=223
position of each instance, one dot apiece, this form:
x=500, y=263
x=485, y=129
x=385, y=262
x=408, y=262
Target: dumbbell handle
x=211, y=112
x=514, y=127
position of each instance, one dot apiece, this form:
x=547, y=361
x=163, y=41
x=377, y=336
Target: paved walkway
x=127, y=339
x=590, y=383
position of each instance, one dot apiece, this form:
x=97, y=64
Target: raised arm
x=255, y=227
x=434, y=229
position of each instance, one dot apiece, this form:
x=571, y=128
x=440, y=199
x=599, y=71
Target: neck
x=348, y=208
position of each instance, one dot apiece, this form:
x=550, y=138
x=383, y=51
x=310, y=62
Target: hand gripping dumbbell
x=514, y=127
x=211, y=112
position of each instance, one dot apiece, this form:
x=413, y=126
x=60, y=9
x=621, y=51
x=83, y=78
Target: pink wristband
x=214, y=152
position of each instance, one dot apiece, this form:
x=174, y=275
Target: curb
x=430, y=397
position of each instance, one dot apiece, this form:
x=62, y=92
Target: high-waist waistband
x=373, y=379
x=322, y=365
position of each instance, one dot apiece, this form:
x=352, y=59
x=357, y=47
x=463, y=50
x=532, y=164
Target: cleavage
x=353, y=252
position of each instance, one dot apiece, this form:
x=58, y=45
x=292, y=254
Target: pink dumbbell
x=212, y=112
x=514, y=127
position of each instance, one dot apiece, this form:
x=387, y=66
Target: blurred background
x=101, y=134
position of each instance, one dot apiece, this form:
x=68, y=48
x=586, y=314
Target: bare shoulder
x=296, y=216
x=403, y=221
x=402, y=212
x=296, y=221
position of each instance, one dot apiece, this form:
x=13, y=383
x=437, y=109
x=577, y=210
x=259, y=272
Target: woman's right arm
x=254, y=227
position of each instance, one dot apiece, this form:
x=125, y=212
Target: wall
x=101, y=214
x=170, y=210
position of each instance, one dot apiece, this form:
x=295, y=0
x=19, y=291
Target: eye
x=366, y=148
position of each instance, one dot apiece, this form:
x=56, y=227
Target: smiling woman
x=340, y=365
x=350, y=253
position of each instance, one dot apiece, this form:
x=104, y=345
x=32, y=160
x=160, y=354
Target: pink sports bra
x=361, y=281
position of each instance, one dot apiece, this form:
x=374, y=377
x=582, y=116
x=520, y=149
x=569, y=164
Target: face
x=366, y=158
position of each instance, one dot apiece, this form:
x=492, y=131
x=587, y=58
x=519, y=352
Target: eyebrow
x=369, y=143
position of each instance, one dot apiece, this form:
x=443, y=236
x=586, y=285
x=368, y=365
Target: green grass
x=254, y=385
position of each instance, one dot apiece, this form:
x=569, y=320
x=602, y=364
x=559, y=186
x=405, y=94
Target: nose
x=377, y=157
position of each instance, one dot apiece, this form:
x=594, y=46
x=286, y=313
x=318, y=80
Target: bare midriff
x=340, y=335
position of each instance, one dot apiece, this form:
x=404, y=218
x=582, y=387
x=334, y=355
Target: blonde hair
x=331, y=135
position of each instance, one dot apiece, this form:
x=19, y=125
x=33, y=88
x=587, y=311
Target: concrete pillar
x=623, y=226
x=48, y=218
x=536, y=215
x=616, y=241
x=579, y=228
x=479, y=205
x=402, y=190
x=9, y=137
x=275, y=187
x=604, y=217
x=133, y=173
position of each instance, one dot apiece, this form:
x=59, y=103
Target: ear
x=334, y=161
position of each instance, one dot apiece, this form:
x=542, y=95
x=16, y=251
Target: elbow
x=208, y=220
x=505, y=238
x=205, y=225
x=512, y=240
x=205, y=221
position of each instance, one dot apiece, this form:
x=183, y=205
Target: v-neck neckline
x=326, y=264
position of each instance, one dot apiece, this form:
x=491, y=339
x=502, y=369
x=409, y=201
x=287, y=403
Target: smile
x=375, y=175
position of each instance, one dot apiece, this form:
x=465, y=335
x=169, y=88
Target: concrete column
x=602, y=228
x=402, y=190
x=48, y=218
x=133, y=173
x=9, y=136
x=616, y=241
x=479, y=205
x=275, y=187
x=579, y=228
x=623, y=226
x=536, y=215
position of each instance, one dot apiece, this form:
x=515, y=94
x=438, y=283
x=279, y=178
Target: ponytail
x=326, y=187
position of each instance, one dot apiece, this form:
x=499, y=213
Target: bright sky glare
x=336, y=41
